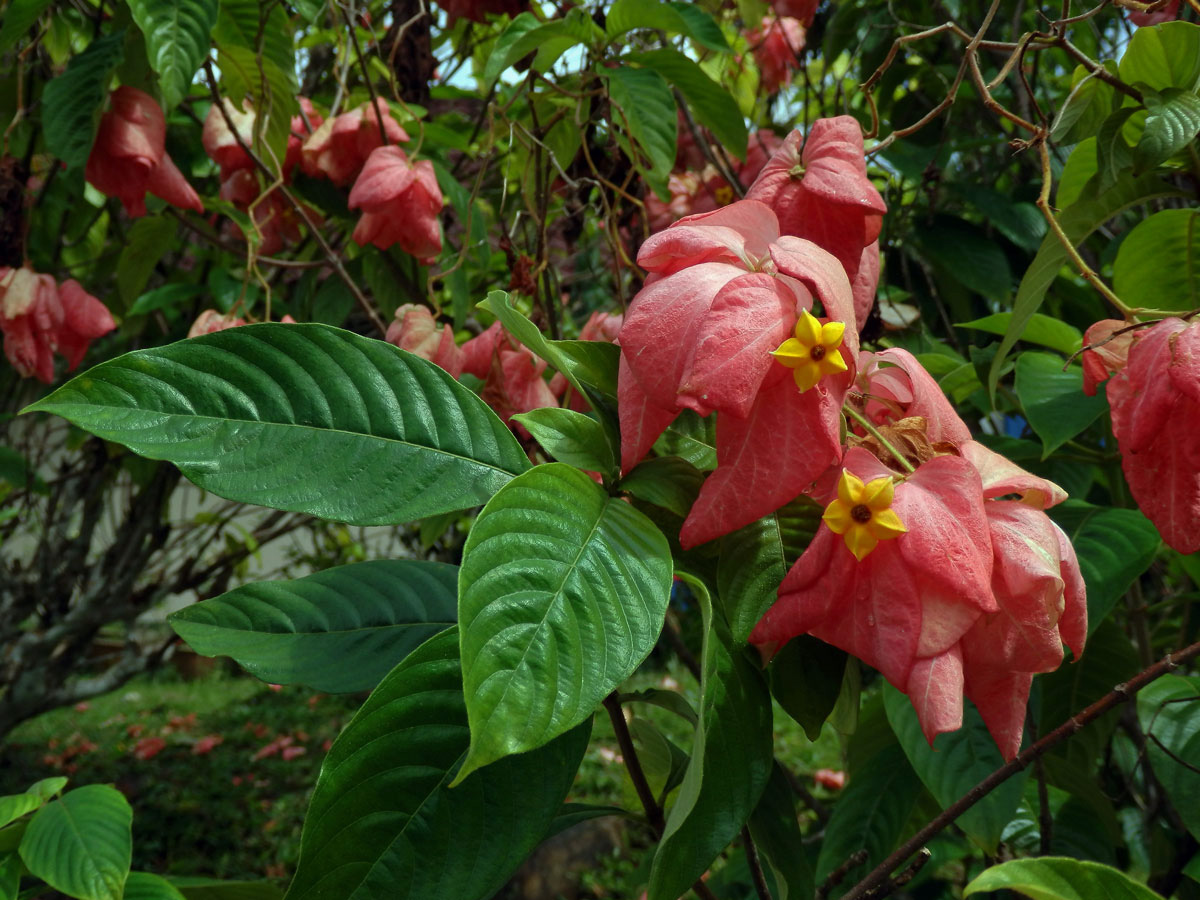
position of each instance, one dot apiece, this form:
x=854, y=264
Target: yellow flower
x=862, y=513
x=813, y=352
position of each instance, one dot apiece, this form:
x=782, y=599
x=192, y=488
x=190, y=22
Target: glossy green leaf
x=731, y=760
x=81, y=844
x=47, y=787
x=304, y=630
x=1163, y=56
x=592, y=363
x=148, y=886
x=702, y=27
x=1053, y=399
x=562, y=594
x=72, y=102
x=383, y=821
x=1086, y=215
x=1114, y=546
x=249, y=412
x=644, y=110
x=166, y=297
x=526, y=34
x=692, y=438
x=755, y=558
x=1157, y=264
x=1172, y=123
x=956, y=763
x=1045, y=330
x=662, y=760
x=1059, y=878
x=666, y=481
x=177, y=34
x=711, y=104
x=19, y=17
x=870, y=814
x=570, y=437
x=1019, y=221
x=1169, y=712
x=776, y=832
x=673, y=18
x=1108, y=659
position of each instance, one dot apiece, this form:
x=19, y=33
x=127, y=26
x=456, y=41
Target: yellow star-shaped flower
x=862, y=513
x=813, y=353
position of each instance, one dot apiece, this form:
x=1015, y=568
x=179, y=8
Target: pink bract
x=777, y=44
x=1108, y=352
x=1155, y=403
x=400, y=202
x=339, y=148
x=414, y=329
x=129, y=155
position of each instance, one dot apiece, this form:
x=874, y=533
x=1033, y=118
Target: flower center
x=813, y=352
x=862, y=513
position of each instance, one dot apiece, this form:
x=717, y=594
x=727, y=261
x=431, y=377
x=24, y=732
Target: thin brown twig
x=1118, y=695
x=755, y=865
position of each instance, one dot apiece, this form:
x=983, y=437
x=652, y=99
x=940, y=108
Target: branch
x=1118, y=695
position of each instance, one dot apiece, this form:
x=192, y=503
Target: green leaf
x=19, y=17
x=383, y=821
x=525, y=35
x=644, y=110
x=870, y=814
x=1059, y=878
x=13, y=806
x=666, y=481
x=1019, y=221
x=692, y=438
x=1090, y=212
x=81, y=844
x=1078, y=171
x=712, y=105
x=1049, y=332
x=663, y=762
x=47, y=787
x=1169, y=711
x=807, y=676
x=310, y=9
x=776, y=832
x=592, y=363
x=1171, y=124
x=963, y=252
x=1114, y=156
x=165, y=297
x=1114, y=547
x=1086, y=107
x=570, y=437
x=731, y=760
x=148, y=886
x=250, y=413
x=1108, y=660
x=304, y=630
x=194, y=888
x=673, y=18
x=1156, y=266
x=72, y=102
x=177, y=39
x=702, y=27
x=957, y=762
x=755, y=558
x=148, y=240
x=1163, y=56
x=11, y=870
x=1053, y=399
x=562, y=594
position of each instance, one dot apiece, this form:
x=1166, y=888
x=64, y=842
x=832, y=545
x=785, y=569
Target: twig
x=1118, y=695
x=857, y=858
x=755, y=865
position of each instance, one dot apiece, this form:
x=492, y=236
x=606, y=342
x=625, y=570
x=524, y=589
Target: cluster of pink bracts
x=922, y=569
x=400, y=199
x=40, y=317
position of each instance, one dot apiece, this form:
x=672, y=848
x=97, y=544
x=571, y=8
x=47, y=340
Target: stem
x=1119, y=694
x=755, y=865
x=875, y=433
